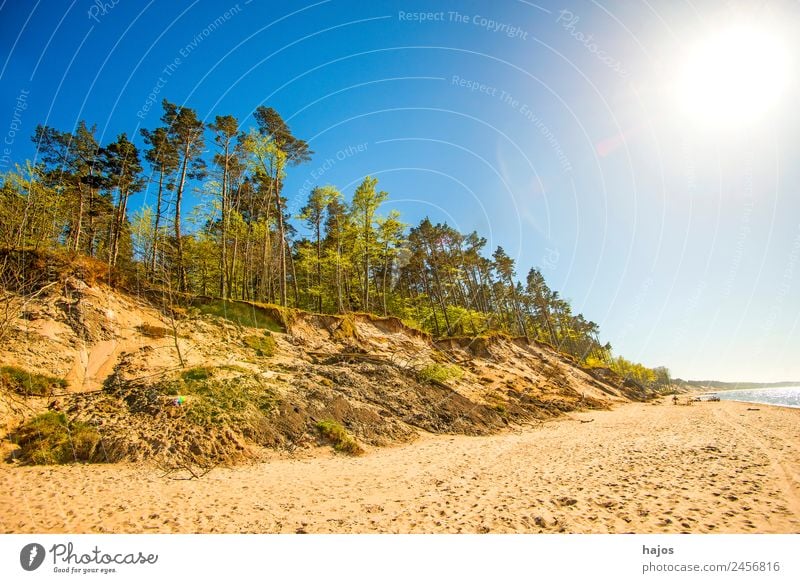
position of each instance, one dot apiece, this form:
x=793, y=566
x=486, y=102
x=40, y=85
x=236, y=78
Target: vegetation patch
x=264, y=345
x=342, y=441
x=498, y=404
x=27, y=270
x=501, y=410
x=232, y=402
x=198, y=373
x=346, y=330
x=52, y=438
x=241, y=313
x=240, y=402
x=197, y=418
x=440, y=373
x=29, y=383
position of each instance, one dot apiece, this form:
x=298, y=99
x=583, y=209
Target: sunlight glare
x=733, y=76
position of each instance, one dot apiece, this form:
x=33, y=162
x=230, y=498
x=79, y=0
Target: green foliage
x=464, y=321
x=440, y=373
x=264, y=345
x=240, y=313
x=366, y=201
x=216, y=400
x=342, y=441
x=243, y=245
x=346, y=330
x=592, y=362
x=29, y=383
x=199, y=373
x=634, y=371
x=51, y=438
x=657, y=378
x=31, y=212
x=501, y=410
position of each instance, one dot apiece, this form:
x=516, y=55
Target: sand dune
x=643, y=468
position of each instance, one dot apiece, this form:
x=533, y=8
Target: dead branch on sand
x=195, y=471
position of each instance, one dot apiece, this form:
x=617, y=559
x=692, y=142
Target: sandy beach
x=643, y=468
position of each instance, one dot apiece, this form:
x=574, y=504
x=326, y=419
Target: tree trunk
x=157, y=220
x=340, y=303
x=282, y=261
x=90, y=227
x=367, y=225
x=223, y=271
x=78, y=221
x=266, y=260
x=119, y=220
x=385, y=271
x=232, y=272
x=178, y=240
x=440, y=291
x=517, y=311
x=319, y=266
x=432, y=302
x=295, y=287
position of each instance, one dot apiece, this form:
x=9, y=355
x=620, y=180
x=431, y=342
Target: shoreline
x=762, y=404
x=712, y=467
x=724, y=395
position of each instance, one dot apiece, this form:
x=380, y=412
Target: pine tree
x=69, y=163
x=313, y=214
x=366, y=201
x=389, y=238
x=228, y=160
x=185, y=132
x=282, y=149
x=162, y=156
x=123, y=174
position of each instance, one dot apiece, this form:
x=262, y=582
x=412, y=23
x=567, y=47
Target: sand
x=641, y=468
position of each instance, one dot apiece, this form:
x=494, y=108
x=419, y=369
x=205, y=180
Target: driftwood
x=587, y=421
x=194, y=472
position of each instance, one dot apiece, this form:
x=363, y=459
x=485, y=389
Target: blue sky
x=548, y=127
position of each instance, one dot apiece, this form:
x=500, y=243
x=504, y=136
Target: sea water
x=783, y=396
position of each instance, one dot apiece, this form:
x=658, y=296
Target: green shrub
x=198, y=373
x=29, y=383
x=212, y=401
x=236, y=402
x=346, y=329
x=440, y=373
x=593, y=362
x=336, y=434
x=51, y=438
x=501, y=410
x=188, y=379
x=263, y=345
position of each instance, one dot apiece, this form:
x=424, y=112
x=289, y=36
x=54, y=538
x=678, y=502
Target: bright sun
x=733, y=76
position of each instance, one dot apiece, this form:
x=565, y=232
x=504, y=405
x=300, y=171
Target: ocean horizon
x=781, y=396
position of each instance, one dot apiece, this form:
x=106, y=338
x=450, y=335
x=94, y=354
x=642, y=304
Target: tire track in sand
x=790, y=486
